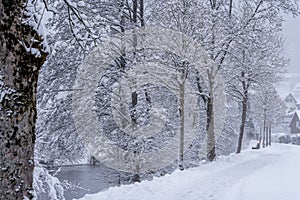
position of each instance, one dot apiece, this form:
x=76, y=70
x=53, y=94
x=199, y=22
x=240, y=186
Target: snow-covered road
x=269, y=174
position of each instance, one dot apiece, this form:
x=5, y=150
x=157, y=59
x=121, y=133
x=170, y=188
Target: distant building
x=295, y=123
x=291, y=103
x=287, y=122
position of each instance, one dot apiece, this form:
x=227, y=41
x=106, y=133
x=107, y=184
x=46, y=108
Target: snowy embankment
x=269, y=174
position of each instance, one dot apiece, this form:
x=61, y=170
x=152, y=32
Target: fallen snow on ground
x=268, y=174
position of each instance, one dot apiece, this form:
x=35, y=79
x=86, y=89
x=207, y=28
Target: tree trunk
x=142, y=13
x=210, y=126
x=244, y=113
x=121, y=62
x=264, y=129
x=270, y=133
x=243, y=122
x=134, y=12
x=264, y=137
x=267, y=136
x=230, y=7
x=19, y=73
x=181, y=147
x=133, y=114
x=211, y=141
x=245, y=87
x=260, y=135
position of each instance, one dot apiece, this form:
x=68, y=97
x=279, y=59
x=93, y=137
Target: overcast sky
x=291, y=30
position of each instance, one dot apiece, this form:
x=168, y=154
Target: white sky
x=291, y=30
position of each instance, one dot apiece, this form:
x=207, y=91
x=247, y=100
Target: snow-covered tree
x=255, y=56
x=259, y=62
x=21, y=55
x=222, y=27
x=267, y=107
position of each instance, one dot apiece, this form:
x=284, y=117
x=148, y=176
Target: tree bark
x=19, y=73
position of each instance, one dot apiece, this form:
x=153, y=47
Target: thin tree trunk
x=135, y=24
x=260, y=135
x=264, y=129
x=142, y=13
x=181, y=147
x=122, y=61
x=244, y=113
x=210, y=126
x=230, y=7
x=263, y=137
x=19, y=70
x=148, y=104
x=267, y=136
x=270, y=134
x=211, y=141
x=134, y=99
x=134, y=12
x=242, y=126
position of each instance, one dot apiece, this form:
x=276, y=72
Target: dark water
x=90, y=179
x=87, y=179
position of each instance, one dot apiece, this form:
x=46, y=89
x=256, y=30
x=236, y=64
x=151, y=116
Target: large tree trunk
x=18, y=80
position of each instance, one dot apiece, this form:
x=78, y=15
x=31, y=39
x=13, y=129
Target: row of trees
x=242, y=38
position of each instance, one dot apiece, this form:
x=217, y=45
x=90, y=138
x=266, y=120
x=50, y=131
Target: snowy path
x=269, y=174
